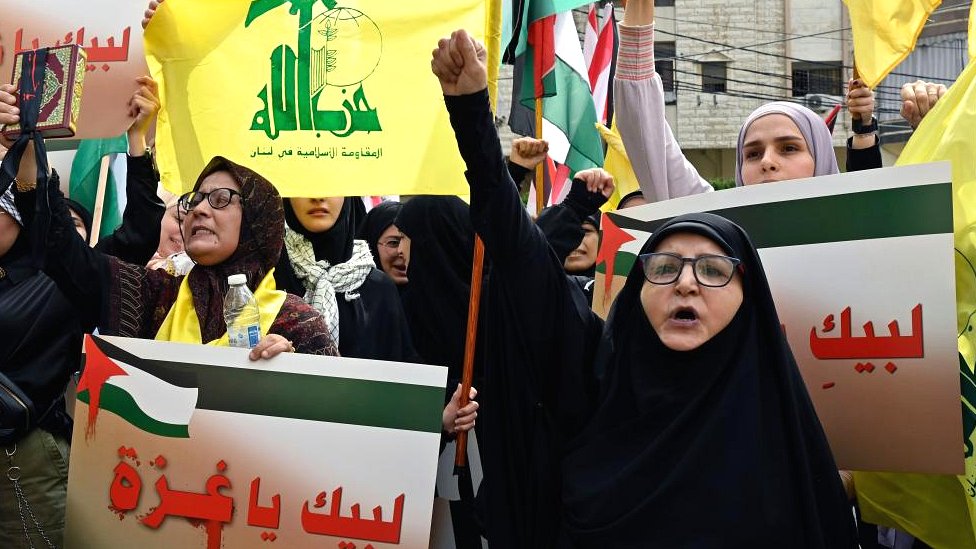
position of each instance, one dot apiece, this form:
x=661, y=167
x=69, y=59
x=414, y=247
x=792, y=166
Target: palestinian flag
x=141, y=382
x=551, y=66
x=618, y=253
x=117, y=382
x=85, y=170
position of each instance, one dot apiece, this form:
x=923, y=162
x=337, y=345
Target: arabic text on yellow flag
x=323, y=98
x=941, y=511
x=618, y=164
x=885, y=32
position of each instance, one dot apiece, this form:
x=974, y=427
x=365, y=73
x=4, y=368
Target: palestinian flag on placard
x=618, y=252
x=159, y=386
x=552, y=60
x=115, y=381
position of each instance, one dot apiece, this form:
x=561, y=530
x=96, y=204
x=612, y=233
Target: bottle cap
x=237, y=279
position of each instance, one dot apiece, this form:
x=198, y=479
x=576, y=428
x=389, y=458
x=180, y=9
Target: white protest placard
x=179, y=445
x=861, y=266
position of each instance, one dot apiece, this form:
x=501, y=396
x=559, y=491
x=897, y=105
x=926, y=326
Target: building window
x=822, y=78
x=713, y=76
x=664, y=3
x=664, y=67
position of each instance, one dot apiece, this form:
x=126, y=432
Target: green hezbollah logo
x=339, y=49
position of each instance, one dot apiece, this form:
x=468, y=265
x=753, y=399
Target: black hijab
x=589, y=272
x=719, y=446
x=334, y=245
x=378, y=220
x=84, y=214
x=436, y=296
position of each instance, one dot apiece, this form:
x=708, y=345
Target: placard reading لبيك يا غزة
x=180, y=445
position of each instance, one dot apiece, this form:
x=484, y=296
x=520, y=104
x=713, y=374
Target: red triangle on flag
x=98, y=368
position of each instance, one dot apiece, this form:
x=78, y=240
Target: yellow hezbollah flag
x=972, y=31
x=618, y=165
x=940, y=510
x=322, y=97
x=885, y=32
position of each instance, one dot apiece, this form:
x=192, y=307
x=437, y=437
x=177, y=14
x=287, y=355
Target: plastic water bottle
x=241, y=313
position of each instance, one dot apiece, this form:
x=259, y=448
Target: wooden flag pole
x=99, y=200
x=493, y=33
x=471, y=338
x=540, y=174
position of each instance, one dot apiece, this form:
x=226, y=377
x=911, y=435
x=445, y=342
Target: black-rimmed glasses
x=713, y=271
x=218, y=199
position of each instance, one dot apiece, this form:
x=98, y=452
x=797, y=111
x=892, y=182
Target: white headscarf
x=813, y=129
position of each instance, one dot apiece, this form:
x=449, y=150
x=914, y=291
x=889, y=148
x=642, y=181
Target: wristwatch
x=860, y=128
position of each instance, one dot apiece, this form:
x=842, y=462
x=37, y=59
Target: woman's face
x=394, y=251
x=170, y=239
x=79, y=224
x=317, y=215
x=686, y=314
x=774, y=150
x=584, y=257
x=211, y=235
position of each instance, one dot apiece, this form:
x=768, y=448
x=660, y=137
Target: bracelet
x=24, y=187
x=860, y=128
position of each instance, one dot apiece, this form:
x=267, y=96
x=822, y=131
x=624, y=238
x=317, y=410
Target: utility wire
x=750, y=49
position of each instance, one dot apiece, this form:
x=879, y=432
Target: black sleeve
x=563, y=229
x=396, y=343
x=80, y=272
x=517, y=172
x=863, y=159
x=136, y=240
x=517, y=247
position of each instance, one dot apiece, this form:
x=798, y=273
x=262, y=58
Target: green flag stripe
x=320, y=398
x=304, y=396
x=571, y=110
x=837, y=218
x=533, y=10
x=621, y=265
x=120, y=402
x=299, y=396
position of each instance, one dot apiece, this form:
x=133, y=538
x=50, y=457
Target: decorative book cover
x=61, y=99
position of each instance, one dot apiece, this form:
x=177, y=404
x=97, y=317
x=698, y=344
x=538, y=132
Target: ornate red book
x=61, y=100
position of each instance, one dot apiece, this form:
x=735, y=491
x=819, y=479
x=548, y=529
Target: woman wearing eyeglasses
x=389, y=246
x=700, y=434
x=232, y=222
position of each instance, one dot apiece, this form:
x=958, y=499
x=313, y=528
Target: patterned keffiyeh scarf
x=323, y=280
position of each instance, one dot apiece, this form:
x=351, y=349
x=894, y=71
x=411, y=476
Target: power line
x=788, y=34
x=757, y=84
x=781, y=33
x=694, y=88
x=887, y=91
x=750, y=49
